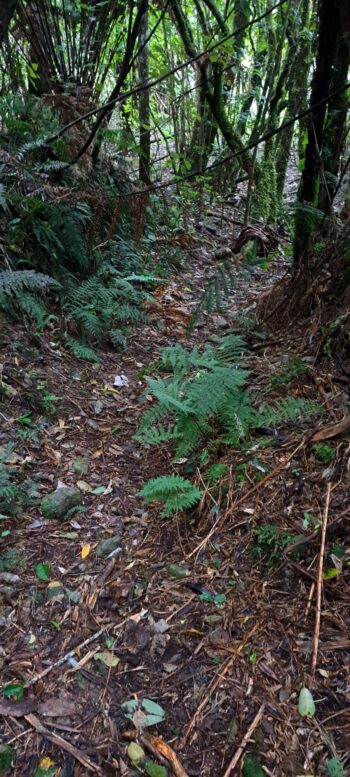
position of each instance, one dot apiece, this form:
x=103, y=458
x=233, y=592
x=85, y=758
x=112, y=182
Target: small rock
x=57, y=504
x=107, y=546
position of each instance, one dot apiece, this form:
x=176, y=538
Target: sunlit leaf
x=135, y=753
x=85, y=550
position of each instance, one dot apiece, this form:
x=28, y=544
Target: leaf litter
x=96, y=614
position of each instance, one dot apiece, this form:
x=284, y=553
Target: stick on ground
x=320, y=582
x=240, y=750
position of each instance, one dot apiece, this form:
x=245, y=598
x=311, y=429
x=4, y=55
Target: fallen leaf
x=84, y=486
x=45, y=763
x=85, y=550
x=306, y=704
x=107, y=658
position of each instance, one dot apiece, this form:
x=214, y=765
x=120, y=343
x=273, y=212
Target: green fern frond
x=32, y=308
x=117, y=337
x=175, y=492
x=230, y=348
x=89, y=320
x=81, y=351
x=14, y=281
x=286, y=410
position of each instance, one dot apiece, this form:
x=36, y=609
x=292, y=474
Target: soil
x=216, y=667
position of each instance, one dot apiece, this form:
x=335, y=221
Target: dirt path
x=213, y=667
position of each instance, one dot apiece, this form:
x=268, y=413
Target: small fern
x=81, y=351
x=205, y=403
x=288, y=409
x=175, y=492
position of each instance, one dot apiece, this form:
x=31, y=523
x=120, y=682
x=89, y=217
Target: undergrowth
x=204, y=405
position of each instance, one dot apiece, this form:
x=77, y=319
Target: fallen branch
x=240, y=750
x=328, y=432
x=320, y=582
x=167, y=752
x=62, y=743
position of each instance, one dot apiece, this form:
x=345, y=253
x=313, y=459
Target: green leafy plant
x=175, y=492
x=294, y=367
x=334, y=767
x=323, y=452
x=269, y=542
x=204, y=403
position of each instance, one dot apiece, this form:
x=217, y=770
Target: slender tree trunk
x=214, y=96
x=144, y=106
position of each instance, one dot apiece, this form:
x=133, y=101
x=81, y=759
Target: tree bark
x=144, y=105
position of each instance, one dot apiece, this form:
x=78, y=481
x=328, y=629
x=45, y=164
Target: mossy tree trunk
x=296, y=90
x=213, y=92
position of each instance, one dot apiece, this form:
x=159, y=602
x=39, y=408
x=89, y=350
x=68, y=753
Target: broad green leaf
x=251, y=767
x=135, y=753
x=143, y=712
x=155, y=770
x=331, y=572
x=107, y=658
x=334, y=767
x=13, y=691
x=42, y=571
x=306, y=704
x=7, y=756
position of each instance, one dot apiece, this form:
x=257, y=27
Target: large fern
x=204, y=402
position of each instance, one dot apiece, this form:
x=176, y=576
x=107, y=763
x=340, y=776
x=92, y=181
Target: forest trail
x=176, y=611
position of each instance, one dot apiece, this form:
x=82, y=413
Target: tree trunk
x=329, y=33
x=144, y=106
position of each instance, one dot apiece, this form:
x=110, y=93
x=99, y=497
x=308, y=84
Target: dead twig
x=240, y=750
x=167, y=752
x=214, y=684
x=60, y=742
x=320, y=582
x=222, y=518
x=66, y=657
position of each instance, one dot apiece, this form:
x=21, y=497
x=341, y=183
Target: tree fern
x=175, y=492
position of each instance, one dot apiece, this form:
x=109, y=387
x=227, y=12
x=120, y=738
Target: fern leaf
x=81, y=351
x=14, y=281
x=175, y=492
